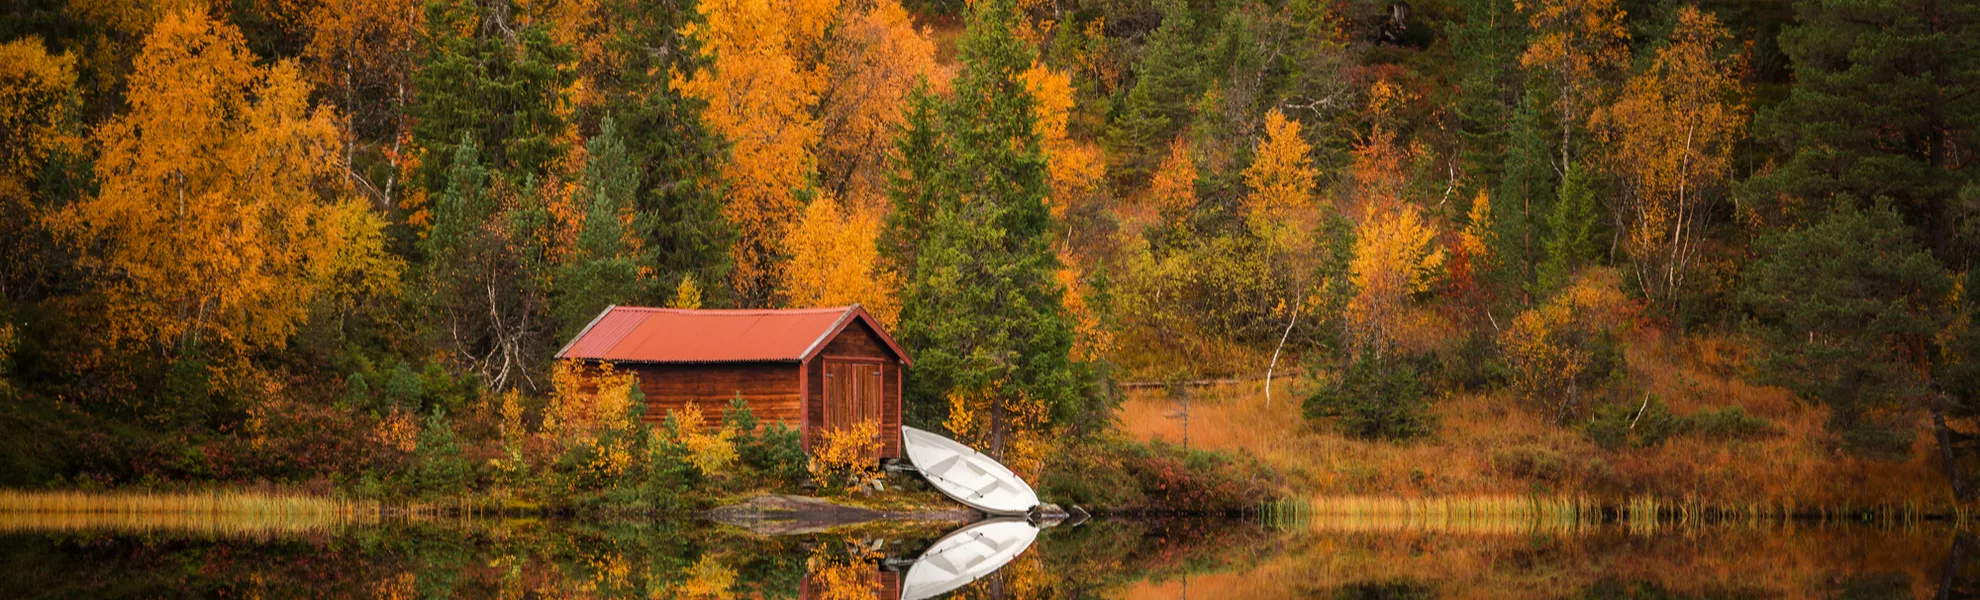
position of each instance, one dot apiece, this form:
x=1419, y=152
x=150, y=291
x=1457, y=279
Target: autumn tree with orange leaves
x=1575, y=46
x=224, y=214
x=1670, y=139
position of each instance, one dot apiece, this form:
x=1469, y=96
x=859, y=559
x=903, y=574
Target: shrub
x=1374, y=398
x=439, y=466
x=844, y=458
x=1532, y=462
x=1116, y=474
x=1616, y=425
x=773, y=452
x=1731, y=423
x=1560, y=352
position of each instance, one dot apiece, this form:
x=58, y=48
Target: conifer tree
x=1572, y=229
x=982, y=310
x=1168, y=79
x=603, y=271
x=1523, y=200
x=1884, y=93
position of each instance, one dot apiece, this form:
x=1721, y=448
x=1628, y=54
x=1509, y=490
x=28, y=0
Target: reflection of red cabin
x=814, y=368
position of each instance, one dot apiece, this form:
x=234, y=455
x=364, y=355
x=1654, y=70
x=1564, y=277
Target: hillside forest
x=336, y=244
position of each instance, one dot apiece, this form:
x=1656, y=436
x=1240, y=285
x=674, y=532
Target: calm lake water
x=1199, y=560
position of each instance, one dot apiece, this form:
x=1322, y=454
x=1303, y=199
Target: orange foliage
x=1281, y=179
x=835, y=261
x=211, y=224
x=1073, y=167
x=1546, y=348
x=1574, y=43
x=760, y=89
x=1395, y=257
x=34, y=112
x=1670, y=139
x=876, y=57
x=1172, y=191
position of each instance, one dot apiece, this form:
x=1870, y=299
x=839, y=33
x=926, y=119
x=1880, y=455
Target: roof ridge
x=738, y=311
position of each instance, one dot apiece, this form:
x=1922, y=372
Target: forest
x=335, y=245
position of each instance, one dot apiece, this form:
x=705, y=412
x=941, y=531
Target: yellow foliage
x=399, y=430
x=1092, y=339
x=1670, y=138
x=707, y=579
x=835, y=261
x=688, y=295
x=1395, y=257
x=1281, y=179
x=1172, y=191
x=1477, y=237
x=759, y=92
x=844, y=457
x=34, y=112
x=876, y=57
x=842, y=575
x=212, y=224
x=1573, y=43
x=1073, y=167
x=1012, y=428
x=1546, y=346
x=710, y=449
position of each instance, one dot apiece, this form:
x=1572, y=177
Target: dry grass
x=1494, y=444
x=214, y=513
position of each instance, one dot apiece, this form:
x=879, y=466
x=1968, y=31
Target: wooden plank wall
x=859, y=341
x=771, y=389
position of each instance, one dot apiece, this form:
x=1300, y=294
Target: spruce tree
x=1573, y=228
x=1485, y=46
x=673, y=151
x=1884, y=94
x=1523, y=201
x=603, y=270
x=1168, y=79
x=501, y=82
x=981, y=310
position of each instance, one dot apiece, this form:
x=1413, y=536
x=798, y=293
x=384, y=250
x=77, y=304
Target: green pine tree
x=1573, y=230
x=1849, y=307
x=1168, y=80
x=1522, y=201
x=1884, y=93
x=981, y=309
x=603, y=271
x=505, y=90
x=1486, y=43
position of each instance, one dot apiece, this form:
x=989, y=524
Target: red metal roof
x=634, y=334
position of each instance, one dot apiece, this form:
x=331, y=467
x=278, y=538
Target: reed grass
x=221, y=513
x=1500, y=514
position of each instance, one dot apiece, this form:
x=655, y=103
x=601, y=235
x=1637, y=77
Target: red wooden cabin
x=814, y=368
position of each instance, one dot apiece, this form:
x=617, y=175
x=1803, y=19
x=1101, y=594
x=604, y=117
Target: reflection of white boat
x=966, y=475
x=966, y=555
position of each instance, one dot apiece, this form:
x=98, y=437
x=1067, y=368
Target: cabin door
x=852, y=393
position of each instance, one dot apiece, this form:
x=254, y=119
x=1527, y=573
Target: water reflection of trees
x=1108, y=559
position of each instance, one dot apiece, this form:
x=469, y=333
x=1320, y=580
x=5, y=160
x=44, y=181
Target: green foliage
x=774, y=451
x=499, y=82
x=1882, y=91
x=1847, y=307
x=1374, y=397
x=1573, y=228
x=980, y=289
x=1168, y=78
x=439, y=466
x=1524, y=199
x=1616, y=425
x=1731, y=423
x=1155, y=477
x=673, y=154
x=604, y=271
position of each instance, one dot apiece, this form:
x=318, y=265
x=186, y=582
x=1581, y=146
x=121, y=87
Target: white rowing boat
x=966, y=475
x=967, y=555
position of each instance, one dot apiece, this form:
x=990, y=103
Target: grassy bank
x=1494, y=443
